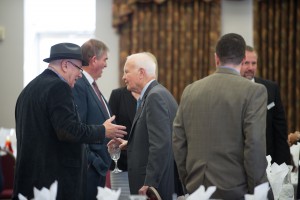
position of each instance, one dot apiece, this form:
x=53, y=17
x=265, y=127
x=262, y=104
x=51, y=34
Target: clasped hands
x=122, y=144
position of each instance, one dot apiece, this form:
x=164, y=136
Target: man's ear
x=64, y=65
x=141, y=72
x=243, y=61
x=217, y=60
x=93, y=59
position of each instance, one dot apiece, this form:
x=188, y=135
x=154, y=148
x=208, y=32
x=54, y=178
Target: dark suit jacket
x=91, y=111
x=150, y=155
x=123, y=106
x=276, y=131
x=49, y=139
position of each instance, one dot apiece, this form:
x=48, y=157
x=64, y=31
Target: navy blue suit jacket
x=91, y=111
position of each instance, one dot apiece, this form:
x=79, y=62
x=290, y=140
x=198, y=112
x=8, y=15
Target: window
x=48, y=22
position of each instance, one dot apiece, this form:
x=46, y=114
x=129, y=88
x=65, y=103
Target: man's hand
x=118, y=142
x=293, y=138
x=143, y=190
x=113, y=130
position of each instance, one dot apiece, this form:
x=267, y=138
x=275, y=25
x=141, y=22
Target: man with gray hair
x=149, y=147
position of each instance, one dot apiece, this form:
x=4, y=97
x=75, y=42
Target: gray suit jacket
x=150, y=156
x=219, y=134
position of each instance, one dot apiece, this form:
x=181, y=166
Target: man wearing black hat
x=49, y=133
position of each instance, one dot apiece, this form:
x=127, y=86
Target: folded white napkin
x=201, y=194
x=277, y=174
x=43, y=194
x=138, y=197
x=260, y=192
x=295, y=149
x=108, y=194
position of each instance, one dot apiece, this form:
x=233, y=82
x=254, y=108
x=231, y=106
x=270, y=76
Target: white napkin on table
x=260, y=192
x=201, y=194
x=108, y=194
x=43, y=194
x=276, y=174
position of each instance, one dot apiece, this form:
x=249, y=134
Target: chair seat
x=8, y=167
x=6, y=194
x=153, y=194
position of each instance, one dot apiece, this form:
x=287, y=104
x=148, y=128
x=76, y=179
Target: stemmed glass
x=115, y=152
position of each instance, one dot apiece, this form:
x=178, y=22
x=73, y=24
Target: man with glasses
x=80, y=69
x=93, y=109
x=50, y=135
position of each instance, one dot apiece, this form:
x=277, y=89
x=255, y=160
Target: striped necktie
x=100, y=96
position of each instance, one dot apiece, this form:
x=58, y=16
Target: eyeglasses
x=81, y=70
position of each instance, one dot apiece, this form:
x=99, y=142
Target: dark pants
x=94, y=180
x=178, y=185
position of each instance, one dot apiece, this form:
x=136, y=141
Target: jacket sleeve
x=254, y=128
x=282, y=150
x=180, y=141
x=160, y=139
x=65, y=120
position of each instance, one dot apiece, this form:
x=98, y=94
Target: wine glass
x=115, y=152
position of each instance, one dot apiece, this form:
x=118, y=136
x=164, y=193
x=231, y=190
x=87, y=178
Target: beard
x=249, y=75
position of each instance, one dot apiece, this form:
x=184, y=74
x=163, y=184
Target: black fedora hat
x=65, y=51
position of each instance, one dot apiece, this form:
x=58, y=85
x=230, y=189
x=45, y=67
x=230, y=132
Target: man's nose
x=249, y=67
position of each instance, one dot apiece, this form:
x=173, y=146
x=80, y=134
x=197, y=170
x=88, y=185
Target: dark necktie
x=100, y=97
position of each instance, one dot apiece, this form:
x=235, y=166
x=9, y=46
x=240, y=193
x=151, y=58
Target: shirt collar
x=145, y=88
x=231, y=68
x=88, y=77
x=60, y=76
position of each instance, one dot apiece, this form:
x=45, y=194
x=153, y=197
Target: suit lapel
x=139, y=111
x=95, y=97
x=261, y=81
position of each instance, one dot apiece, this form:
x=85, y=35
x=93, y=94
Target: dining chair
x=8, y=161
